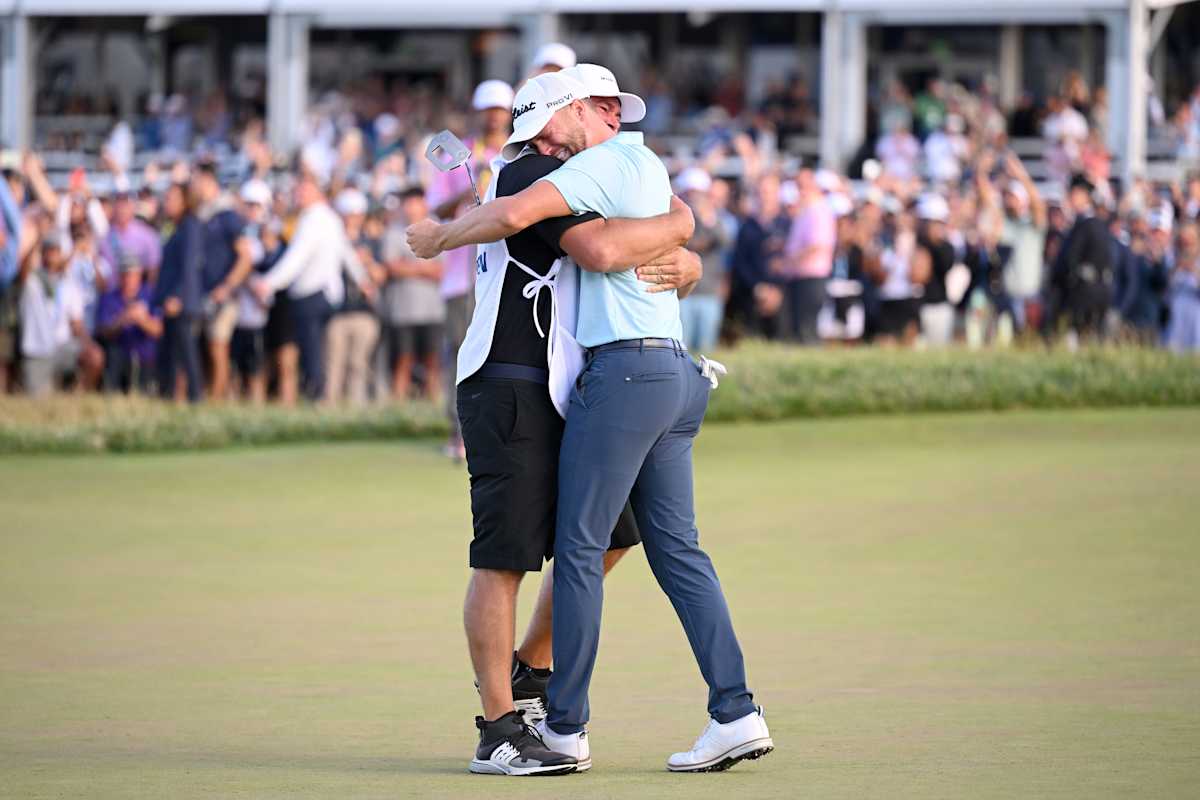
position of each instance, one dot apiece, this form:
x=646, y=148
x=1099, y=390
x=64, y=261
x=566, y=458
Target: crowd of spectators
x=230, y=272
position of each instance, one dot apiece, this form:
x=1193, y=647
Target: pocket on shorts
x=489, y=413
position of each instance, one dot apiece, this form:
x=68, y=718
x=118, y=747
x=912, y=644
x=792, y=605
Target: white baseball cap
x=693, y=179
x=1018, y=191
x=386, y=125
x=827, y=180
x=554, y=54
x=1161, y=219
x=789, y=193
x=492, y=94
x=256, y=191
x=600, y=82
x=350, y=201
x=537, y=101
x=840, y=205
x=934, y=208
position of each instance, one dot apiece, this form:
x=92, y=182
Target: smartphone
x=77, y=180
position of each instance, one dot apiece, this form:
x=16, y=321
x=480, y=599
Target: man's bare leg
x=218, y=353
x=535, y=650
x=433, y=378
x=257, y=386
x=287, y=361
x=489, y=616
x=402, y=377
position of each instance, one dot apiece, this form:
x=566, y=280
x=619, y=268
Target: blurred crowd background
x=183, y=260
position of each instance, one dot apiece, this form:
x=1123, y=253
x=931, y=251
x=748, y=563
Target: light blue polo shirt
x=619, y=178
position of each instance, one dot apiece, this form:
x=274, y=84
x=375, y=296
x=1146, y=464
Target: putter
x=446, y=151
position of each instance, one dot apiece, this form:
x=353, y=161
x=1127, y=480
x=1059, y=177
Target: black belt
x=639, y=344
x=513, y=372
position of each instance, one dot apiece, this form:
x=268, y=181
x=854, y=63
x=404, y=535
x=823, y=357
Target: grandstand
x=72, y=68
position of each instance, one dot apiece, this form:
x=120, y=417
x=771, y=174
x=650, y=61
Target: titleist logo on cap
x=519, y=110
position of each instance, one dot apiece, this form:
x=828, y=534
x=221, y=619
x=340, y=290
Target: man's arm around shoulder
x=615, y=245
x=489, y=222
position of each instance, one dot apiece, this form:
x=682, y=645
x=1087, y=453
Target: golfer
x=513, y=432
x=632, y=418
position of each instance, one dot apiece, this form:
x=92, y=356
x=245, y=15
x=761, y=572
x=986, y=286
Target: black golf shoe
x=509, y=746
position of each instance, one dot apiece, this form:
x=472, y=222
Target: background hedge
x=765, y=383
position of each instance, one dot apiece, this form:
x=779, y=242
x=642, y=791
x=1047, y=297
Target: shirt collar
x=629, y=137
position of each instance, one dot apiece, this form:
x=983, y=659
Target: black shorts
x=281, y=326
x=513, y=434
x=248, y=350
x=418, y=341
x=896, y=315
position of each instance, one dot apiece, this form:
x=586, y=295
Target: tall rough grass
x=765, y=383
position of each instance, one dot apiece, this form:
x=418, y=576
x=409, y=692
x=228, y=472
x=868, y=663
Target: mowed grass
x=997, y=606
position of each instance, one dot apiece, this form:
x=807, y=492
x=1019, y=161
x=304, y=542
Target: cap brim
x=521, y=135
x=633, y=108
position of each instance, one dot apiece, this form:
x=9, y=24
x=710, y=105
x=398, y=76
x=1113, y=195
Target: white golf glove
x=713, y=370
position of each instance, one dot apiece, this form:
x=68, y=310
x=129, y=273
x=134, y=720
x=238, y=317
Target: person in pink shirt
x=808, y=260
x=450, y=195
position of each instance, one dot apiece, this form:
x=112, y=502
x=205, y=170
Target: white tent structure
x=1133, y=27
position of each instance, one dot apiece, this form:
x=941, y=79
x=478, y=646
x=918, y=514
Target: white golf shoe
x=720, y=746
x=570, y=744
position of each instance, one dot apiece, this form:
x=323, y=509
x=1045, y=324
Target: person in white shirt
x=902, y=269
x=311, y=271
x=54, y=341
x=247, y=346
x=945, y=150
x=898, y=151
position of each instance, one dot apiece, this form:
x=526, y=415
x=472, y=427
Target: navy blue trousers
x=180, y=347
x=310, y=314
x=632, y=420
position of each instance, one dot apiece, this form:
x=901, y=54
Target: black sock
x=541, y=673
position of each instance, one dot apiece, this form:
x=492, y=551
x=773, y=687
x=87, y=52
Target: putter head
x=446, y=151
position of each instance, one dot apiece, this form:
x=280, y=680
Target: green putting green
x=975, y=605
